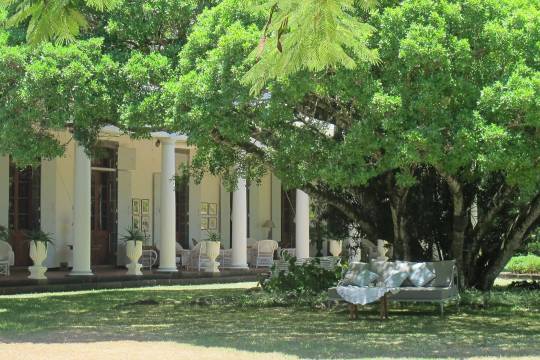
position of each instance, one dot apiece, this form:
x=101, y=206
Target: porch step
x=113, y=281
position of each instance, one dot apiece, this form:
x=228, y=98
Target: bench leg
x=353, y=311
x=383, y=307
x=441, y=308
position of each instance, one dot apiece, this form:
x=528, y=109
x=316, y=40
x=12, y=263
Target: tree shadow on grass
x=412, y=331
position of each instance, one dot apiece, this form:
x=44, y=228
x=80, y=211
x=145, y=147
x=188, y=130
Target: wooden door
x=182, y=215
x=24, y=209
x=104, y=196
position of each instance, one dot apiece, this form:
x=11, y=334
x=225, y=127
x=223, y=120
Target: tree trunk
x=459, y=224
x=519, y=230
x=398, y=202
x=485, y=224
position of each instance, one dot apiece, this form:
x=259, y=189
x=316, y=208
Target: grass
x=524, y=264
x=234, y=317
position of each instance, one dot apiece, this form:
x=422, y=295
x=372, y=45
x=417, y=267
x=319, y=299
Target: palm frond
x=57, y=21
x=309, y=35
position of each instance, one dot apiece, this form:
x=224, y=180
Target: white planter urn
x=336, y=247
x=38, y=254
x=212, y=252
x=134, y=253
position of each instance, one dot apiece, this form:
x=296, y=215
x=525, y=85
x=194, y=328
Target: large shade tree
x=443, y=126
x=107, y=77
x=447, y=121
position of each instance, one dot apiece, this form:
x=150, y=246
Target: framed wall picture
x=145, y=206
x=145, y=224
x=204, y=208
x=212, y=223
x=204, y=224
x=212, y=209
x=136, y=207
x=136, y=222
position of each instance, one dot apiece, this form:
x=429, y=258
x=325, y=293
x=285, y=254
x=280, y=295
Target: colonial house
x=87, y=204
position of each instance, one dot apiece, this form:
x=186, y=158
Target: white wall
x=210, y=193
x=4, y=190
x=126, y=167
x=48, y=209
x=63, y=185
x=276, y=207
x=138, y=179
x=264, y=207
x=225, y=216
x=254, y=222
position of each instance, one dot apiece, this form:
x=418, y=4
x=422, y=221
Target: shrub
x=534, y=248
x=308, y=278
x=524, y=264
x=533, y=285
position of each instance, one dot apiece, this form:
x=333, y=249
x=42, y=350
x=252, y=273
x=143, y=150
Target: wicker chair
x=265, y=253
x=197, y=257
x=148, y=258
x=7, y=258
x=225, y=258
x=290, y=251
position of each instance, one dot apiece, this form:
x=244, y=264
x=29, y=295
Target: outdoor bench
x=442, y=289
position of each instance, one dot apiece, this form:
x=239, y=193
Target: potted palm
x=134, y=241
x=212, y=244
x=39, y=243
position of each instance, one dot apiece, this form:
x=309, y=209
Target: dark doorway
x=182, y=201
x=24, y=209
x=288, y=227
x=104, y=195
x=182, y=214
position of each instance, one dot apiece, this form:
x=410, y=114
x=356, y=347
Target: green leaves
x=57, y=21
x=309, y=35
x=46, y=87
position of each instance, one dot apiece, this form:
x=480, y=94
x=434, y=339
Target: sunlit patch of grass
x=242, y=285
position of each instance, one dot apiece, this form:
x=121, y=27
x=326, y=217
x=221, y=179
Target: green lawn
x=504, y=323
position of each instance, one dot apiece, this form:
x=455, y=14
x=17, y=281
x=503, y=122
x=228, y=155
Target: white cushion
x=364, y=278
x=395, y=279
x=420, y=275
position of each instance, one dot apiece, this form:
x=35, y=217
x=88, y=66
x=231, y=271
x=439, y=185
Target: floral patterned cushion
x=420, y=275
x=365, y=278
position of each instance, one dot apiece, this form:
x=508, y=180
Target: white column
x=81, y=213
x=239, y=226
x=167, y=243
x=302, y=225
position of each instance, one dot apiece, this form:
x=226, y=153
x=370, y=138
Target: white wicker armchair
x=148, y=258
x=290, y=251
x=197, y=257
x=265, y=253
x=225, y=258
